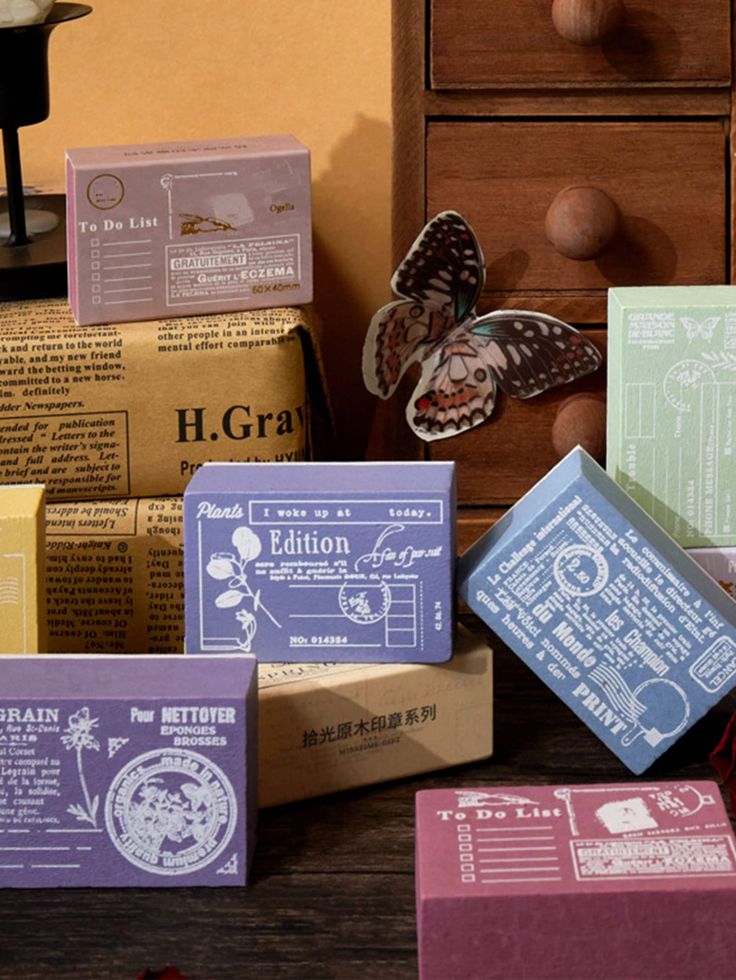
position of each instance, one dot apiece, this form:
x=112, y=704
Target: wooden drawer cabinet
x=496, y=112
x=667, y=180
x=486, y=43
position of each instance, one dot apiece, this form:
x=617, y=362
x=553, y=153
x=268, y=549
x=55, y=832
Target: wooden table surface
x=332, y=889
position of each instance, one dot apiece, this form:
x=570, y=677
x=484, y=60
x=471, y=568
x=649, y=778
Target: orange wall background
x=150, y=70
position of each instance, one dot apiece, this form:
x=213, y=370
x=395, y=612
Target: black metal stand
x=14, y=184
x=30, y=264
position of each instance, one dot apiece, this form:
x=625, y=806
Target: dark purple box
x=127, y=770
x=630, y=880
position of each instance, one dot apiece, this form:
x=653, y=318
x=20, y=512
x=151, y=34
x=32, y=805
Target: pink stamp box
x=178, y=229
x=634, y=880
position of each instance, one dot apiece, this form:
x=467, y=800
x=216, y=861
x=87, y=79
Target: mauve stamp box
x=310, y=562
x=630, y=880
x=606, y=609
x=129, y=770
x=178, y=229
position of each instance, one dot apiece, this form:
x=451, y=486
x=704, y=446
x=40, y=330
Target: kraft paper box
x=349, y=562
x=672, y=407
x=127, y=771
x=178, y=229
x=115, y=576
x=575, y=882
x=720, y=564
x=22, y=592
x=331, y=727
x=610, y=613
x=133, y=410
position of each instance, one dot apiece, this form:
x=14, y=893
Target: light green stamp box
x=672, y=407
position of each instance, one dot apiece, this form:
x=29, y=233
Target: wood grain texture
x=668, y=180
x=498, y=461
x=473, y=522
x=488, y=43
x=628, y=101
x=332, y=894
x=409, y=70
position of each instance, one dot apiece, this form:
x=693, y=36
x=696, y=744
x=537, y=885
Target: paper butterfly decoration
x=464, y=357
x=693, y=329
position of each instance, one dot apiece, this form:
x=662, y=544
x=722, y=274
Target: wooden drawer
x=496, y=43
x=497, y=462
x=472, y=523
x=667, y=179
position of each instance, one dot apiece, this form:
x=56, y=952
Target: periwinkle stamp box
x=634, y=880
x=321, y=561
x=179, y=229
x=672, y=407
x=612, y=615
x=127, y=771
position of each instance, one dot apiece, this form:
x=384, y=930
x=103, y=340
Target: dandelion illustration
x=78, y=736
x=227, y=566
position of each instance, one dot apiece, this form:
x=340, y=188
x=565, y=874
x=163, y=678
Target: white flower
x=78, y=734
x=247, y=542
x=222, y=566
x=18, y=13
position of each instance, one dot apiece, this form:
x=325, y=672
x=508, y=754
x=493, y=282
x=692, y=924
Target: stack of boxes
x=340, y=578
x=114, y=419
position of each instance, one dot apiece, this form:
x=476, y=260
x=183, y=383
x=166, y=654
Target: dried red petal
x=164, y=973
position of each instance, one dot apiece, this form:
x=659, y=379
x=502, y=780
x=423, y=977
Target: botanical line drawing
x=227, y=566
x=78, y=736
x=726, y=361
x=156, y=814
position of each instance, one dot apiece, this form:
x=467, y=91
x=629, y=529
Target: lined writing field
x=517, y=855
x=121, y=257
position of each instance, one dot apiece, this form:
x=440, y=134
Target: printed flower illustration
x=157, y=814
x=225, y=566
x=78, y=736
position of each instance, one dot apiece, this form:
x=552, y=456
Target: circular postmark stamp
x=365, y=603
x=171, y=811
x=682, y=383
x=105, y=192
x=580, y=570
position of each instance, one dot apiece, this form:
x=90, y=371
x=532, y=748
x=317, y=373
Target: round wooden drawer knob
x=581, y=421
x=581, y=222
x=587, y=22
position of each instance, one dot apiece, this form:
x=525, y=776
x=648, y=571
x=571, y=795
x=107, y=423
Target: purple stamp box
x=634, y=880
x=339, y=562
x=121, y=771
x=177, y=229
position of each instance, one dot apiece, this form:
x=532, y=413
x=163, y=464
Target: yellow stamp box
x=22, y=558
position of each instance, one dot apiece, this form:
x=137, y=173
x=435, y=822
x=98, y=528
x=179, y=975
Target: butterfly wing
x=708, y=326
x=531, y=352
x=692, y=327
x=457, y=389
x=444, y=267
x=399, y=334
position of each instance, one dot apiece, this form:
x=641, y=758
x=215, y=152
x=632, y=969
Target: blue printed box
x=613, y=615
x=340, y=562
